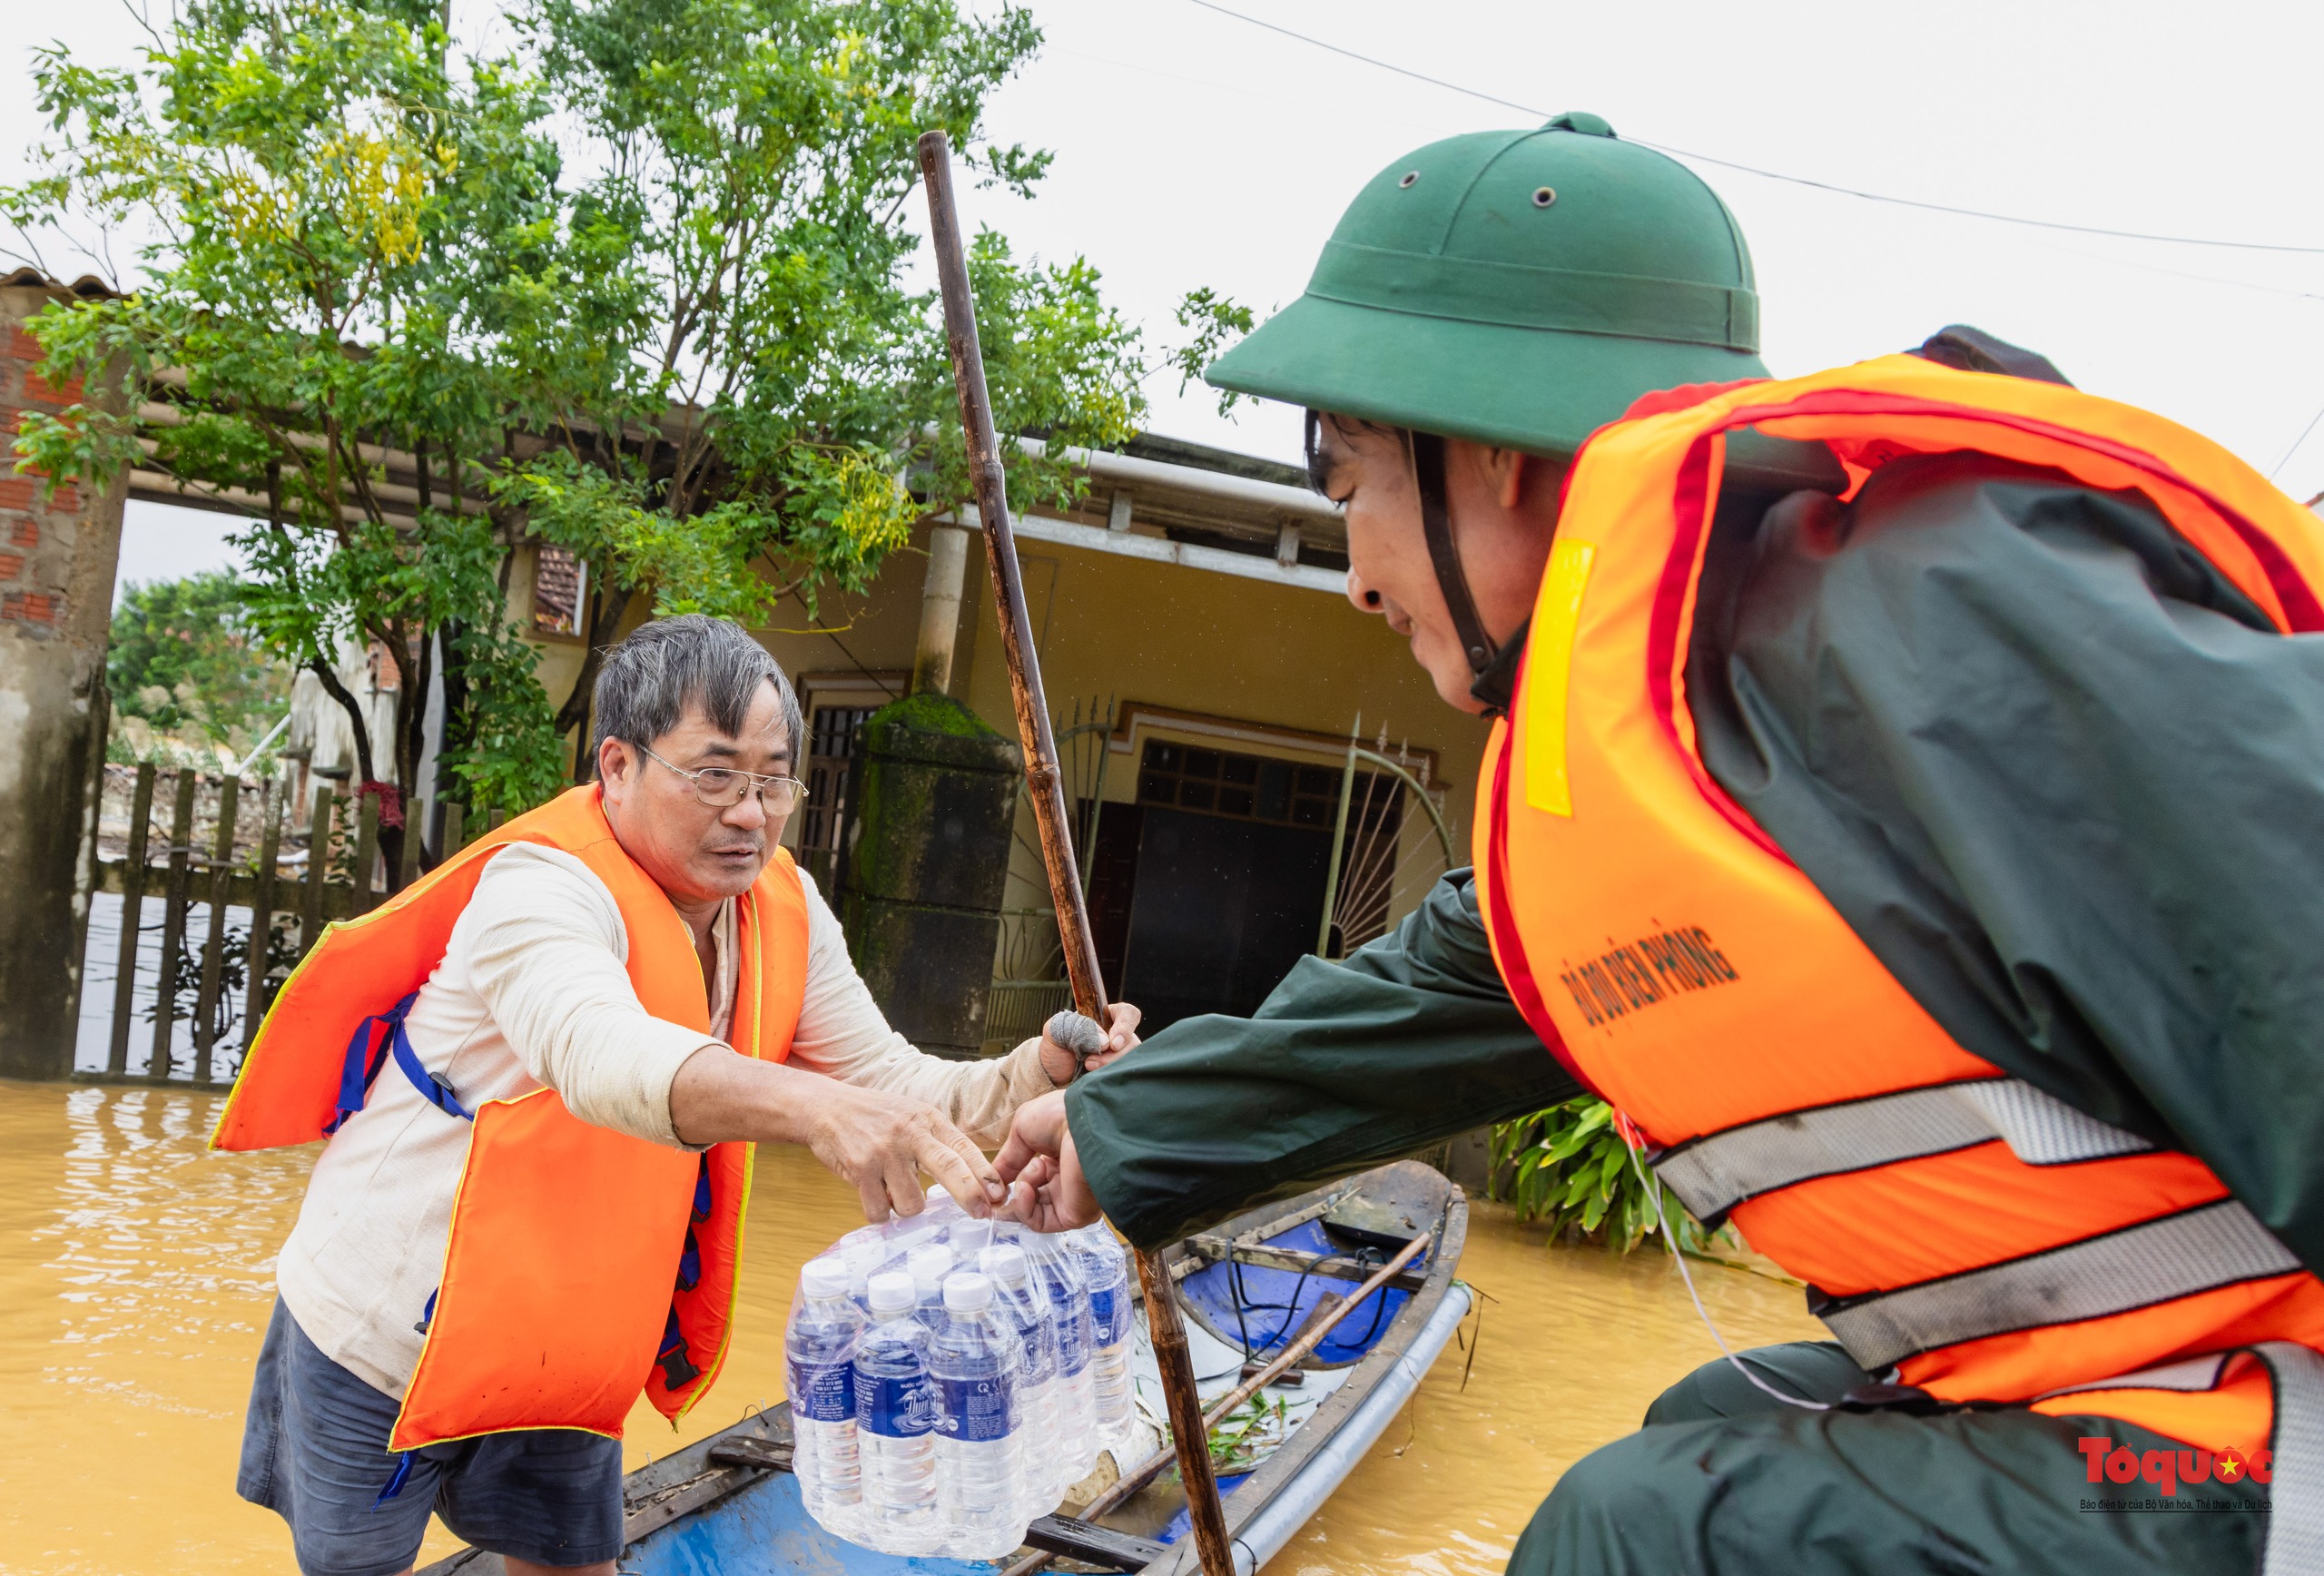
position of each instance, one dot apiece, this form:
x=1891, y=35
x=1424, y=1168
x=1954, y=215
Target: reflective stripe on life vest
x=1712, y=1175
x=2217, y=1245
x=2295, y=1519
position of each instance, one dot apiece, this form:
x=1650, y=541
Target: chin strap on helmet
x=1436, y=524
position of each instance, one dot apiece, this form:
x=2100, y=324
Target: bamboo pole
x=1325, y=1319
x=1046, y=784
x=213, y=945
x=133, y=903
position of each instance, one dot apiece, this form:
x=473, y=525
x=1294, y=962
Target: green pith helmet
x=1514, y=288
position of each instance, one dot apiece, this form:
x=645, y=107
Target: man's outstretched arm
x=1410, y=1040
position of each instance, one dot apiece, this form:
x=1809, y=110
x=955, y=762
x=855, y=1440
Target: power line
x=2297, y=442
x=1773, y=175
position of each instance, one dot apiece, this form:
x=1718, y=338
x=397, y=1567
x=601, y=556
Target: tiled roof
x=88, y=287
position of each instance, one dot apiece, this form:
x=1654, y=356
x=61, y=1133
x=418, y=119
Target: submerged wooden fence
x=224, y=980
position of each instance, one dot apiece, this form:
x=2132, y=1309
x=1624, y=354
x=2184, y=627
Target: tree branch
x=323, y=670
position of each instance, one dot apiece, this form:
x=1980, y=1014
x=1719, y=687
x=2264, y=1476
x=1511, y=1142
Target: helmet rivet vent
x=1409, y=177
x=1544, y=195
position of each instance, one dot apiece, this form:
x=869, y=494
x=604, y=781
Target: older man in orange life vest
x=592, y=1016
x=1904, y=804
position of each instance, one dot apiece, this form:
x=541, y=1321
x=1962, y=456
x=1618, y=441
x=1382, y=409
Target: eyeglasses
x=723, y=788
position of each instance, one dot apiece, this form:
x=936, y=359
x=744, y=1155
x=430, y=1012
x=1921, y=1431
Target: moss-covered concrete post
x=935, y=803
x=57, y=554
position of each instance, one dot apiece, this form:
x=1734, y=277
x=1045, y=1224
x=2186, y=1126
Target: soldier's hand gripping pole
x=1043, y=780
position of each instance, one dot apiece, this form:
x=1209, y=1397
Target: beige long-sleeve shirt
x=534, y=991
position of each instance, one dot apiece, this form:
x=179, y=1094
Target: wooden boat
x=729, y=1503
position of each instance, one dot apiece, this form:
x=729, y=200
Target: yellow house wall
x=1160, y=635
x=1220, y=645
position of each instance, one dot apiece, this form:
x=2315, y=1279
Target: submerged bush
x=1568, y=1166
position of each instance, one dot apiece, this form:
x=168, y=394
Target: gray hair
x=649, y=680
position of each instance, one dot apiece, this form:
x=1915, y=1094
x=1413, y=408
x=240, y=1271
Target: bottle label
x=896, y=1408
x=822, y=1392
x=1107, y=1323
x=976, y=1411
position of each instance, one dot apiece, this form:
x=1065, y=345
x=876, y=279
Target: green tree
x=695, y=361
x=182, y=658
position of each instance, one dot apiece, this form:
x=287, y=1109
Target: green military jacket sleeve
x=1412, y=1039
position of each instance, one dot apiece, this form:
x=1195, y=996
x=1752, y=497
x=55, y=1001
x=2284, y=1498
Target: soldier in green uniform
x=2052, y=770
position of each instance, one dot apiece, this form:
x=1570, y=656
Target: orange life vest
x=556, y=1307
x=1979, y=1239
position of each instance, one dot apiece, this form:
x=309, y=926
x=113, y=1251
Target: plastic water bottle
x=976, y=1360
x=820, y=1345
x=968, y=1237
x=895, y=1424
x=1105, y=1269
x=928, y=1266
x=863, y=1260
x=1017, y=1300
x=1056, y=1271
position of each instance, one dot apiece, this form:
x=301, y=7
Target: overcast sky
x=1196, y=148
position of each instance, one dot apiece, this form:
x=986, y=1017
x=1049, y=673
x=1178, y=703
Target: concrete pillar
x=940, y=610
x=935, y=803
x=57, y=557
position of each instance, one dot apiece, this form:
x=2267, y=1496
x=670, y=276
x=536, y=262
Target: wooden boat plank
x=1093, y=1544
x=1211, y=1249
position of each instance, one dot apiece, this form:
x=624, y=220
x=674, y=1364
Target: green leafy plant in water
x=1242, y=1437
x=1568, y=1167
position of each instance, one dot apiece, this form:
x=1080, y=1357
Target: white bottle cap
x=1004, y=1262
x=968, y=1238
x=929, y=1265
x=825, y=1278
x=892, y=1293
x=967, y=1293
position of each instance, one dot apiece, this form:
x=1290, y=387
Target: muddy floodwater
x=136, y=1273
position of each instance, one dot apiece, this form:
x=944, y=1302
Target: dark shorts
x=315, y=1451
x=1723, y=1481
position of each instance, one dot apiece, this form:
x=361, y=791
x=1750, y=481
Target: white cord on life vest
x=1631, y=1144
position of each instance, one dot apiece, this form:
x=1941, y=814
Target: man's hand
x=1049, y=1192
x=879, y=1142
x=883, y=1142
x=1072, y=1044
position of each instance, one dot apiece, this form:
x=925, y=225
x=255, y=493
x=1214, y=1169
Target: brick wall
x=38, y=532
x=57, y=557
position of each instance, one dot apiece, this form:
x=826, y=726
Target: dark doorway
x=823, y=816
x=1113, y=882
x=1221, y=909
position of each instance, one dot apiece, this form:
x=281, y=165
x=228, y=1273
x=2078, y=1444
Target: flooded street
x=136, y=1275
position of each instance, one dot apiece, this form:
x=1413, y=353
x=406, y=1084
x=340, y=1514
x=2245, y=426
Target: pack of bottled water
x=951, y=1378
